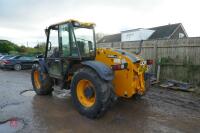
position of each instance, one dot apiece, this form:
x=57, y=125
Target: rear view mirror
x=49, y=46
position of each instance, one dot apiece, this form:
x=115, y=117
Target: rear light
x=6, y=62
x=116, y=67
x=149, y=62
x=120, y=66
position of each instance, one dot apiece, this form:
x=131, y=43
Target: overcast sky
x=23, y=21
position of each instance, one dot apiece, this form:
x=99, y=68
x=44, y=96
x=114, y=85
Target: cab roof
x=84, y=24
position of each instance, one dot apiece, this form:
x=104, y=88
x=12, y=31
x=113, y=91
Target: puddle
x=28, y=93
x=62, y=94
x=11, y=126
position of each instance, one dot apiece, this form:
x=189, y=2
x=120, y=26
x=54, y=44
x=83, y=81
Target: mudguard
x=103, y=70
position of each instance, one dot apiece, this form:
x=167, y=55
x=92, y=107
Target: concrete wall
x=180, y=57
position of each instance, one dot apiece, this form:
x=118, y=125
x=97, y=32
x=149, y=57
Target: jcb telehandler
x=95, y=76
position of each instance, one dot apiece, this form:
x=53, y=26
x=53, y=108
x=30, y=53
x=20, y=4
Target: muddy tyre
x=113, y=97
x=42, y=83
x=91, y=95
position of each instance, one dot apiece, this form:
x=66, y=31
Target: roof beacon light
x=76, y=24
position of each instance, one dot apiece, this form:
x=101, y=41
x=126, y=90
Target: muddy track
x=173, y=97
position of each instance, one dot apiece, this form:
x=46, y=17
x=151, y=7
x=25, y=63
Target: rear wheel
x=91, y=95
x=41, y=82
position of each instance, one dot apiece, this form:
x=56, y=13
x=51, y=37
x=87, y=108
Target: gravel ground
x=160, y=110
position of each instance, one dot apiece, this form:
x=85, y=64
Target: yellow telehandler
x=95, y=76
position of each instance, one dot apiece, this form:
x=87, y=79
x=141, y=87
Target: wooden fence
x=180, y=58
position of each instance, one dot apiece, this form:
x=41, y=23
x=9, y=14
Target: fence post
x=155, y=56
x=112, y=45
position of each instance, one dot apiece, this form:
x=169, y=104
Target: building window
x=181, y=35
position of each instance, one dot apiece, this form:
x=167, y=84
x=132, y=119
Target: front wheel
x=42, y=83
x=17, y=67
x=91, y=95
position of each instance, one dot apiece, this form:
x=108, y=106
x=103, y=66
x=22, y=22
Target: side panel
x=104, y=71
x=127, y=82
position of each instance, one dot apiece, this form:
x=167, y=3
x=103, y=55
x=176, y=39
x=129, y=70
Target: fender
x=103, y=71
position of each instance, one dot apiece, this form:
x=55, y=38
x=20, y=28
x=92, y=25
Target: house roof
x=161, y=32
x=164, y=31
x=111, y=38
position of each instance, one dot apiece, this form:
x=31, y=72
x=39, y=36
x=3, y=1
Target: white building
x=136, y=34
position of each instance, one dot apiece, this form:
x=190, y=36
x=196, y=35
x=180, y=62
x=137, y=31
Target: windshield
x=7, y=57
x=85, y=41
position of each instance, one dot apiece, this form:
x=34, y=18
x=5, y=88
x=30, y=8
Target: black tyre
x=113, y=97
x=42, y=83
x=91, y=95
x=17, y=67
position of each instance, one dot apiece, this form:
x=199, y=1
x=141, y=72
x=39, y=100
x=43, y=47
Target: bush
x=7, y=46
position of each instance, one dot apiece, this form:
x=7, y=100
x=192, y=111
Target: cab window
x=53, y=51
x=64, y=40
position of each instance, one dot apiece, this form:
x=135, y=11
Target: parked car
x=4, y=57
x=19, y=62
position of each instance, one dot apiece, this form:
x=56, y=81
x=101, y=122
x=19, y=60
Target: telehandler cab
x=95, y=76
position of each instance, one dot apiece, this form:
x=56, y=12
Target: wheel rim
x=17, y=67
x=86, y=93
x=37, y=79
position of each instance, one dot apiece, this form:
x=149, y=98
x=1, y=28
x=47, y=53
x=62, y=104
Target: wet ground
x=161, y=110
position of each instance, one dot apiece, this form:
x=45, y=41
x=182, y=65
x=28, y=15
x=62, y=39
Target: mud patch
x=11, y=125
x=28, y=93
x=119, y=119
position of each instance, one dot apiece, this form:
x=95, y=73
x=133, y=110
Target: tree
x=22, y=49
x=40, y=47
x=6, y=46
x=11, y=48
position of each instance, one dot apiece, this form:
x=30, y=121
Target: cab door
x=65, y=47
x=58, y=50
